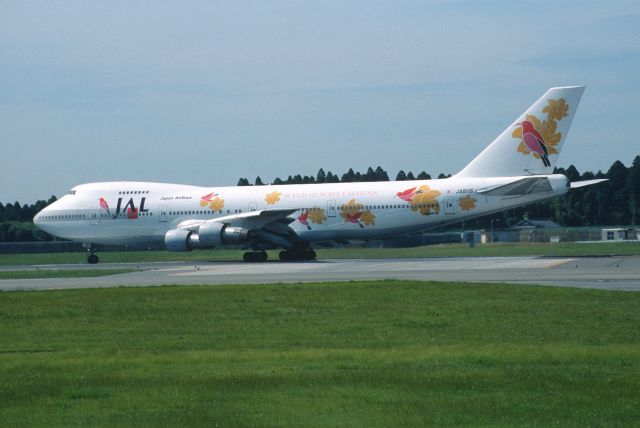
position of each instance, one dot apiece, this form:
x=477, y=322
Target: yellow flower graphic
x=203, y=203
x=216, y=204
x=548, y=130
x=272, y=197
x=316, y=215
x=426, y=201
x=467, y=203
x=368, y=218
x=556, y=109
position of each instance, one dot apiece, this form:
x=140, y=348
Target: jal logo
x=129, y=207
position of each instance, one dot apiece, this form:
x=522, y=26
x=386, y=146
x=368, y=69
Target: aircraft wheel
x=92, y=259
x=284, y=256
x=255, y=256
x=309, y=254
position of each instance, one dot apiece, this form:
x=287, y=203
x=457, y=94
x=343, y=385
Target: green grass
x=67, y=273
x=447, y=250
x=369, y=354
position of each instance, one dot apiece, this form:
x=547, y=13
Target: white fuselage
x=140, y=212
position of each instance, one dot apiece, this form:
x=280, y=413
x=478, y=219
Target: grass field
x=66, y=273
x=368, y=354
x=448, y=250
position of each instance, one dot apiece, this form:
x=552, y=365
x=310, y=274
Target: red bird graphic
x=104, y=205
x=208, y=197
x=407, y=195
x=534, y=141
x=354, y=218
x=304, y=219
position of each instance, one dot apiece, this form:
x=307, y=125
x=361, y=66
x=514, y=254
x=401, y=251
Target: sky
x=205, y=92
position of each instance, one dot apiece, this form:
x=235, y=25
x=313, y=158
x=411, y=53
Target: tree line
x=614, y=202
x=16, y=222
x=350, y=176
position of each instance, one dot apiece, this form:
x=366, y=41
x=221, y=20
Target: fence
x=66, y=247
x=561, y=234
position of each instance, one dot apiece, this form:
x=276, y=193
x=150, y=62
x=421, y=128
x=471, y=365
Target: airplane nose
x=38, y=220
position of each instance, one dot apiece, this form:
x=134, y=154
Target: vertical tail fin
x=532, y=144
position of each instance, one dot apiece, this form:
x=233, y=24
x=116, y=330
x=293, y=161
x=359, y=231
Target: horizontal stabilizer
x=583, y=183
x=524, y=186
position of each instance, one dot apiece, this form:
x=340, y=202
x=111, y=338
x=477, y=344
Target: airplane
x=516, y=169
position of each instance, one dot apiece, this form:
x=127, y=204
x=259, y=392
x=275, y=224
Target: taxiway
x=611, y=273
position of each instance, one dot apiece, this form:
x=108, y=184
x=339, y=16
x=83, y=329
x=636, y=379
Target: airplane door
x=162, y=214
x=253, y=206
x=331, y=208
x=449, y=206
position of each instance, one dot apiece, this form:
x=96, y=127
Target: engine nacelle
x=210, y=234
x=177, y=240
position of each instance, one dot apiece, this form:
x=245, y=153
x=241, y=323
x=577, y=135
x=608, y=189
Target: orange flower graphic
x=423, y=199
x=314, y=215
x=353, y=212
x=272, y=197
x=317, y=216
x=467, y=203
x=556, y=109
x=214, y=202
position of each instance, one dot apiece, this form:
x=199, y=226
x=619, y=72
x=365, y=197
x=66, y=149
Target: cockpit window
x=72, y=192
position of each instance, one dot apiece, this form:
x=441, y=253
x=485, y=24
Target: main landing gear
x=255, y=256
x=294, y=255
x=297, y=255
x=92, y=259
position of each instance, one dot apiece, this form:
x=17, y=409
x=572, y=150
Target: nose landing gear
x=92, y=259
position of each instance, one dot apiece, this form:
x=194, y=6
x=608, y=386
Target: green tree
x=633, y=190
x=348, y=177
x=332, y=178
x=616, y=197
x=370, y=175
x=381, y=174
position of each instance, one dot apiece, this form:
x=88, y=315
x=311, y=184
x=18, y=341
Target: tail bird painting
x=534, y=141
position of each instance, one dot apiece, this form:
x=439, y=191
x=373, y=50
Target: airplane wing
x=250, y=220
x=524, y=186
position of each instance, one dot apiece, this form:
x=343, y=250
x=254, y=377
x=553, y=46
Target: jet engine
x=208, y=235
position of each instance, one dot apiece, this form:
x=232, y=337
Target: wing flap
x=524, y=186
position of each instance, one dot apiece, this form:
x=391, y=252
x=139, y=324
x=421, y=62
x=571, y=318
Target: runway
x=610, y=273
